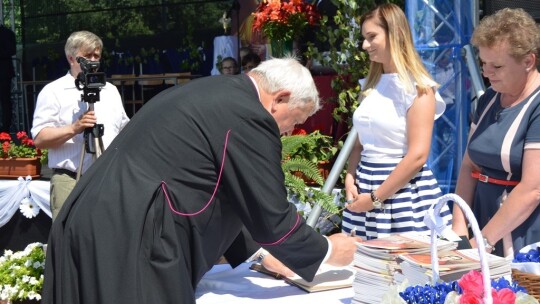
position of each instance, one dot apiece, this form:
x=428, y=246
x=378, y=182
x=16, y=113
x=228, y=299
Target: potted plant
x=283, y=21
x=317, y=148
x=20, y=157
x=301, y=153
x=21, y=274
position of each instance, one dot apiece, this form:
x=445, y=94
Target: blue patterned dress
x=496, y=146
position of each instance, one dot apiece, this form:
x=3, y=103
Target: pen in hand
x=353, y=232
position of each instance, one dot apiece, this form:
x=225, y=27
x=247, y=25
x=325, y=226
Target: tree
x=124, y=25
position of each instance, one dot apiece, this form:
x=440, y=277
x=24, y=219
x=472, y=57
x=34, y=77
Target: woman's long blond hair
x=409, y=66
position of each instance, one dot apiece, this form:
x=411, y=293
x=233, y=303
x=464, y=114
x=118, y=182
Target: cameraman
x=61, y=116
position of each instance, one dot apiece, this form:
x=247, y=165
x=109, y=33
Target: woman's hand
x=361, y=203
x=351, y=191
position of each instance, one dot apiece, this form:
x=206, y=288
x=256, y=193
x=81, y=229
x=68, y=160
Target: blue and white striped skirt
x=403, y=212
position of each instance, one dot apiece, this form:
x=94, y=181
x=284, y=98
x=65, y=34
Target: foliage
x=295, y=184
x=23, y=149
x=284, y=20
x=341, y=37
x=44, y=157
x=14, y=8
x=53, y=20
x=21, y=273
x=314, y=146
x=122, y=24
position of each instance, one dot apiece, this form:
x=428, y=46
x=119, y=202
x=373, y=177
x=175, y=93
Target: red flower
x=298, y=131
x=6, y=146
x=503, y=296
x=472, y=283
x=4, y=136
x=21, y=135
x=22, y=147
x=27, y=142
x=284, y=20
x=468, y=298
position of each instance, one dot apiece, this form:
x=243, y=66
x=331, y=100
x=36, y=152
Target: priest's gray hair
x=84, y=41
x=288, y=74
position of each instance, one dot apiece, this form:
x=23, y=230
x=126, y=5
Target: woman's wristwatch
x=377, y=202
x=488, y=246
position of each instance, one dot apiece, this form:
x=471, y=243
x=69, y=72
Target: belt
x=486, y=179
x=65, y=171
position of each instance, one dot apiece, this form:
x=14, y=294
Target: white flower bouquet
x=21, y=273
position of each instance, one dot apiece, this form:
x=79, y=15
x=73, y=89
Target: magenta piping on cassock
x=164, y=188
x=282, y=239
x=164, y=185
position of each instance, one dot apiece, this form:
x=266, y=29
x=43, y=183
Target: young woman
x=388, y=185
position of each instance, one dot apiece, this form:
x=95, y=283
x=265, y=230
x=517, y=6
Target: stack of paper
x=377, y=261
x=453, y=264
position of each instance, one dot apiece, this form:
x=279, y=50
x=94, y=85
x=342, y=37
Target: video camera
x=90, y=77
x=89, y=80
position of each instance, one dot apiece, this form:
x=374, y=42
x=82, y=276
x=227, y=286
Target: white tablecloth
x=12, y=192
x=242, y=285
x=24, y=189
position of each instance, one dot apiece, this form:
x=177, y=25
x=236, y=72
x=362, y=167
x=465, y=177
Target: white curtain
x=23, y=190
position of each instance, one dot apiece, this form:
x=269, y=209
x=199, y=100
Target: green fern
x=290, y=144
x=304, y=166
x=295, y=184
x=297, y=187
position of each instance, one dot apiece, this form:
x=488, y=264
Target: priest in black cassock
x=173, y=192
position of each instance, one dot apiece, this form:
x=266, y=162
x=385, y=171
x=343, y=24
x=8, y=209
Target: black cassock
x=147, y=220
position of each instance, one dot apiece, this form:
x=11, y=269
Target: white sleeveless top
x=381, y=122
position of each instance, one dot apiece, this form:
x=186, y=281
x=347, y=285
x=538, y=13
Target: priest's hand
x=271, y=263
x=343, y=249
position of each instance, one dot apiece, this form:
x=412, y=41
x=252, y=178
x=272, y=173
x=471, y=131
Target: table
x=16, y=230
x=223, y=285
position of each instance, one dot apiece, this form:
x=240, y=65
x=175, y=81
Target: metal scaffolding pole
x=333, y=176
x=441, y=30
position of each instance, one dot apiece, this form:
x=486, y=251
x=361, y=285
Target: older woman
x=500, y=173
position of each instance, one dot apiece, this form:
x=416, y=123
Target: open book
x=327, y=278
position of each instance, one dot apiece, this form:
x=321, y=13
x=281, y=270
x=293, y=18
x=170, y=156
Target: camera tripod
x=93, y=143
x=90, y=83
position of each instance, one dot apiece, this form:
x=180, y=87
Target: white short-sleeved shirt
x=381, y=118
x=60, y=103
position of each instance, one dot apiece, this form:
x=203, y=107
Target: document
x=327, y=278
